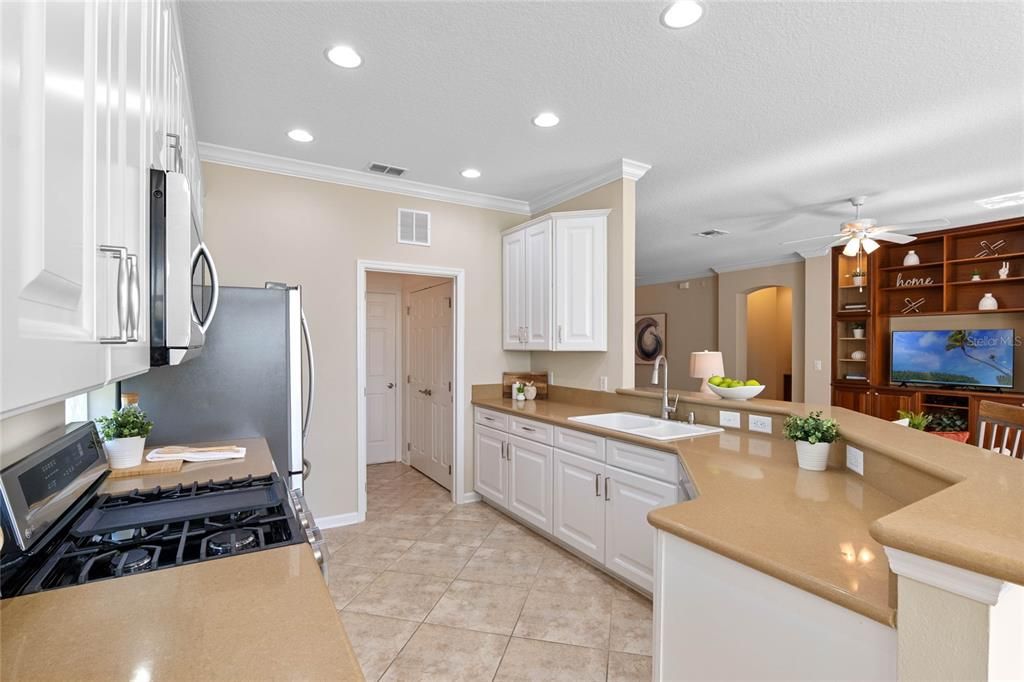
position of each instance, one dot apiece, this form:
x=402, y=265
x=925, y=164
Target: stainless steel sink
x=646, y=427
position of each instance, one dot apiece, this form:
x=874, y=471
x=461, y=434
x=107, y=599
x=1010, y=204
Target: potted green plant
x=950, y=424
x=860, y=278
x=916, y=420
x=124, y=436
x=976, y=275
x=858, y=330
x=813, y=434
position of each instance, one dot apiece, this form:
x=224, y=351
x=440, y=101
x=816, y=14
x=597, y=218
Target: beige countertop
x=823, y=531
x=266, y=615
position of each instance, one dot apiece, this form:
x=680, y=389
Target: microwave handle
x=214, y=283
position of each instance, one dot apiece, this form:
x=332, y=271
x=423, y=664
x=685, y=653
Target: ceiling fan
x=865, y=233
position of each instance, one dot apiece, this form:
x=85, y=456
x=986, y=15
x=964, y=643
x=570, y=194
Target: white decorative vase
x=124, y=453
x=858, y=333
x=911, y=258
x=531, y=392
x=858, y=355
x=812, y=456
x=988, y=302
x=975, y=278
x=859, y=281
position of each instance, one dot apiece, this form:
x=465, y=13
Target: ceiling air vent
x=413, y=227
x=385, y=169
x=711, y=234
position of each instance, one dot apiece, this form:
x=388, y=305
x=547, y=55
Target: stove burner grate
x=233, y=541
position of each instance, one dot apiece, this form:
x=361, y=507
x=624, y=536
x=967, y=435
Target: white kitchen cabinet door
x=513, y=290
x=490, y=468
x=47, y=244
x=530, y=486
x=537, y=284
x=629, y=551
x=581, y=283
x=579, y=503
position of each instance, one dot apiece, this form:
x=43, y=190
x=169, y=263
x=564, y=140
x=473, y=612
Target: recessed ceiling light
x=300, y=135
x=1002, y=201
x=344, y=56
x=545, y=119
x=471, y=173
x=682, y=13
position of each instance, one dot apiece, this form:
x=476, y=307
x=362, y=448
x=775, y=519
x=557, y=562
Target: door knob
x=391, y=384
x=426, y=391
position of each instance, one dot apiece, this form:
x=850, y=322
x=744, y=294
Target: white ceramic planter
x=812, y=456
x=860, y=281
x=124, y=453
x=858, y=333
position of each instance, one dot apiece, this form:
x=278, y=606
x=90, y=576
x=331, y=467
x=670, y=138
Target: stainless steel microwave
x=183, y=276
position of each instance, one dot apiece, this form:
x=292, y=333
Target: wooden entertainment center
x=936, y=293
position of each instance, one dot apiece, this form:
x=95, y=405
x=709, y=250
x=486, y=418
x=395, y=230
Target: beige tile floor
x=429, y=590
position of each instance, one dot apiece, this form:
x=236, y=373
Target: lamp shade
x=706, y=364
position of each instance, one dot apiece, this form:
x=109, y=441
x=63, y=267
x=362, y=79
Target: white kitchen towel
x=195, y=454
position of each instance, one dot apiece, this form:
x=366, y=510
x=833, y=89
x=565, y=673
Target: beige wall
x=769, y=338
x=733, y=288
x=263, y=226
x=583, y=370
x=692, y=319
x=818, y=330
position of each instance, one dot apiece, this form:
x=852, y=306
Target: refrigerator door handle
x=306, y=466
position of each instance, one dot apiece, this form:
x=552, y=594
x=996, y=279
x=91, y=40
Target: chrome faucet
x=665, y=409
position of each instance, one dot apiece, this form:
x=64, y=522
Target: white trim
x=460, y=402
x=340, y=520
x=597, y=212
x=230, y=156
x=623, y=168
x=470, y=497
x=782, y=260
x=815, y=253
x=980, y=588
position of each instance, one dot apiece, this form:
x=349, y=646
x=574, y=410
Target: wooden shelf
x=853, y=286
x=985, y=259
x=936, y=406
x=955, y=312
x=850, y=360
x=852, y=338
x=936, y=264
x=986, y=281
x=916, y=286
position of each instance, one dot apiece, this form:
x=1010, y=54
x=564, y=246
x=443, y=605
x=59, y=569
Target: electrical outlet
x=855, y=459
x=730, y=419
x=759, y=423
x=602, y=383
x=817, y=365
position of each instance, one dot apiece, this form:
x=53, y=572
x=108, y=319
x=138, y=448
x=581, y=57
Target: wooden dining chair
x=1001, y=428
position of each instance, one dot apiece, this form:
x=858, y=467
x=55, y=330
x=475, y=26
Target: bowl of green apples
x=735, y=389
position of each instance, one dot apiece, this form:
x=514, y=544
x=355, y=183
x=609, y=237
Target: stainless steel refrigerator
x=247, y=382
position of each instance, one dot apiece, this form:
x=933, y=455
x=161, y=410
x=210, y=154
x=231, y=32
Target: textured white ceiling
x=760, y=120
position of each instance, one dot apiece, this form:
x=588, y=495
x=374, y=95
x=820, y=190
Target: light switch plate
x=855, y=459
x=731, y=419
x=602, y=383
x=759, y=423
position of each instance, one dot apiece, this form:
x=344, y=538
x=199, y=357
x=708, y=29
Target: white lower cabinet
x=629, y=539
x=530, y=489
x=490, y=468
x=579, y=503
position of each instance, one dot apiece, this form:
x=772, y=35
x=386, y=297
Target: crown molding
x=242, y=158
x=767, y=263
x=980, y=588
x=621, y=169
x=815, y=253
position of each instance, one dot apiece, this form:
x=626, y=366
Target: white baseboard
x=469, y=497
x=339, y=520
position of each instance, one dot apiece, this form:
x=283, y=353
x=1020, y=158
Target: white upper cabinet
x=85, y=116
x=555, y=283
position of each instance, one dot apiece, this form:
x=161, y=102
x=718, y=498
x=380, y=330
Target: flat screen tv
x=954, y=357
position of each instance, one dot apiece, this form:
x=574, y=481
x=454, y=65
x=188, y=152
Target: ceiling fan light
x=852, y=247
x=870, y=245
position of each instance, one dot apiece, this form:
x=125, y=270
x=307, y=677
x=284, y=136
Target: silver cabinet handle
x=561, y=334
x=490, y=419
x=134, y=297
x=121, y=253
x=175, y=144
x=527, y=428
x=606, y=497
x=597, y=485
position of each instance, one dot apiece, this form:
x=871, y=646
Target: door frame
x=460, y=405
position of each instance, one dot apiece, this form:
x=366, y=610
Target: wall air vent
x=711, y=234
x=385, y=169
x=413, y=227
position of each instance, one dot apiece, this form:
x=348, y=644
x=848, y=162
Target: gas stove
x=104, y=536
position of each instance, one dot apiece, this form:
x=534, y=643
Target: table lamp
x=704, y=365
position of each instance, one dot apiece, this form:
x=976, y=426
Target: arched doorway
x=769, y=336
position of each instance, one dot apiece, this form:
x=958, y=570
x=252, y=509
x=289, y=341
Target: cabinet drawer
x=663, y=466
x=532, y=430
x=492, y=418
x=580, y=443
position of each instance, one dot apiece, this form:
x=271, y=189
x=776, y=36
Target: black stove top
x=149, y=530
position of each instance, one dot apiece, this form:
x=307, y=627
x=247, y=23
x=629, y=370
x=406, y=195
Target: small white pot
x=812, y=456
x=858, y=333
x=124, y=453
x=860, y=281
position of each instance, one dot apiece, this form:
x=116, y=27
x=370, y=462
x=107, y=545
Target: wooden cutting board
x=148, y=468
x=539, y=379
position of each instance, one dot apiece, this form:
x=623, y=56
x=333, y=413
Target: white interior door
x=381, y=378
x=430, y=343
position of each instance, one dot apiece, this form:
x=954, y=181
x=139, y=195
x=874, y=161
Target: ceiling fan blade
x=893, y=237
x=811, y=239
x=919, y=225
